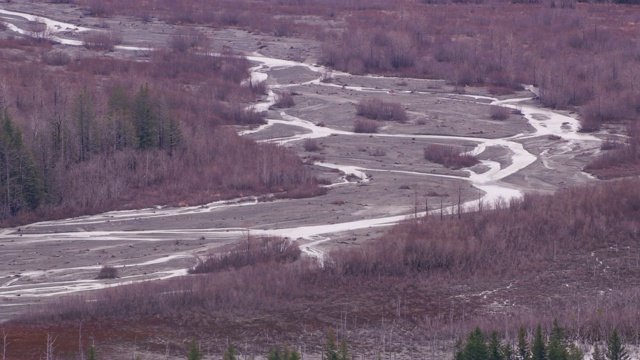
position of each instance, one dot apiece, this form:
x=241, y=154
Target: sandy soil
x=50, y=259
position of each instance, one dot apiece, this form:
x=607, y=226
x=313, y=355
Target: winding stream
x=29, y=282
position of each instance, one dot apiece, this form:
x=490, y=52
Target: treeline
x=554, y=346
x=94, y=134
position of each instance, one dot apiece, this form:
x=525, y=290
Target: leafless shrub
x=365, y=126
x=56, y=58
x=38, y=30
x=184, y=39
x=590, y=124
x=377, y=152
x=327, y=76
x=611, y=144
x=284, y=99
x=499, y=112
x=311, y=145
x=101, y=40
x=107, y=272
x=251, y=252
x=377, y=109
x=282, y=28
x=259, y=87
x=449, y=156
x=97, y=8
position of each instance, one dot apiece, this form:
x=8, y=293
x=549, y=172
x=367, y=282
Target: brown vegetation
x=425, y=275
x=449, y=156
x=377, y=109
x=620, y=159
x=284, y=99
x=101, y=133
x=365, y=126
x=101, y=40
x=107, y=272
x=580, y=56
x=184, y=39
x=311, y=145
x=499, y=112
x=251, y=252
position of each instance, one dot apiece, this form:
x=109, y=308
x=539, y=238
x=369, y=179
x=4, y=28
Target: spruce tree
x=494, y=347
x=283, y=353
x=91, y=353
x=557, y=349
x=144, y=119
x=538, y=350
x=574, y=353
x=523, y=347
x=84, y=118
x=21, y=186
x=230, y=354
x=507, y=352
x=458, y=351
x=274, y=354
x=343, y=352
x=615, y=349
x=194, y=352
x=119, y=113
x=331, y=349
x=293, y=354
x=476, y=347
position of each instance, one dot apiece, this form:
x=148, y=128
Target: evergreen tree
x=84, y=119
x=230, y=354
x=458, y=352
x=119, y=112
x=331, y=349
x=476, y=347
x=286, y=353
x=274, y=354
x=574, y=353
x=194, y=353
x=20, y=182
x=294, y=355
x=523, y=347
x=615, y=349
x=507, y=352
x=343, y=353
x=169, y=134
x=91, y=353
x=144, y=119
x=538, y=350
x=557, y=349
x=494, y=347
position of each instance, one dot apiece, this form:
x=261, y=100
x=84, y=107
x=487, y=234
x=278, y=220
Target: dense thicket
x=523, y=234
x=251, y=252
x=99, y=133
